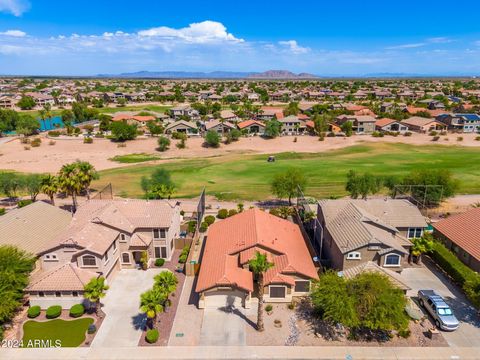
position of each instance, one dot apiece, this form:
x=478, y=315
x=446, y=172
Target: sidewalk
x=243, y=352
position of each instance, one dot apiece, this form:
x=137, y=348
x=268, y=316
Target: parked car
x=438, y=309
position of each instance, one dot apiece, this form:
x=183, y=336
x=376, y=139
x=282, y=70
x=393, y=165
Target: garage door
x=224, y=298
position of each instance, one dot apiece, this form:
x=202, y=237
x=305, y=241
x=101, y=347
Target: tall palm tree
x=259, y=265
x=45, y=114
x=152, y=303
x=50, y=186
x=70, y=181
x=94, y=291
x=167, y=281
x=87, y=174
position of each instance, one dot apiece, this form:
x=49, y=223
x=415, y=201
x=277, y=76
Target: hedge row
x=468, y=279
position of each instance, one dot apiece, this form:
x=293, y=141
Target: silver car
x=439, y=309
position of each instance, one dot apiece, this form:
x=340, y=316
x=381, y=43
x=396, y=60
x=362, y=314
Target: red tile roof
x=462, y=230
x=232, y=242
x=248, y=123
x=384, y=122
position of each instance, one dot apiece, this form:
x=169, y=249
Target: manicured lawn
x=138, y=107
x=70, y=333
x=134, y=158
x=248, y=176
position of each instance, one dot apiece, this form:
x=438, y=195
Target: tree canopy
x=287, y=184
x=121, y=131
x=272, y=128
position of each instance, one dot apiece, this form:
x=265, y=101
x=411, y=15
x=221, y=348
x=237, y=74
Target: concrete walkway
x=123, y=324
x=244, y=352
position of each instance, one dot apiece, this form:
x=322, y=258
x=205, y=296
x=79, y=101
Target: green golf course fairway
x=248, y=177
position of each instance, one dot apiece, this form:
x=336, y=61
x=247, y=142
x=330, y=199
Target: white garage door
x=224, y=298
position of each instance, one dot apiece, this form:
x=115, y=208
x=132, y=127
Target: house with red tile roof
x=460, y=234
x=252, y=127
x=386, y=124
x=225, y=278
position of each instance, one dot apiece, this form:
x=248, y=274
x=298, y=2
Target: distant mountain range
x=270, y=74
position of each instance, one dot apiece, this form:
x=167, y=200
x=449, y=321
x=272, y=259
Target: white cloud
x=15, y=7
x=405, y=46
x=440, y=40
x=293, y=46
x=14, y=33
x=198, y=33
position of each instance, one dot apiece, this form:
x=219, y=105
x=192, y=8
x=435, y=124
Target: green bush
x=33, y=311
x=210, y=219
x=232, y=212
x=88, y=140
x=203, y=227
x=36, y=142
x=77, y=310
x=152, y=336
x=191, y=226
x=468, y=279
x=268, y=308
x=159, y=262
x=54, y=311
x=407, y=133
x=222, y=214
x=23, y=203
x=2, y=211
x=182, y=259
x=54, y=133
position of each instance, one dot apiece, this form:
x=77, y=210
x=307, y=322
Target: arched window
x=354, y=255
x=89, y=260
x=126, y=258
x=392, y=260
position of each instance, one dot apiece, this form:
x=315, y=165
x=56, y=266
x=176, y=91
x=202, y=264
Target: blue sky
x=40, y=37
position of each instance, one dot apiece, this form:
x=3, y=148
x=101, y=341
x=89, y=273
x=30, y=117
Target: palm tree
x=152, y=303
x=94, y=291
x=70, y=181
x=45, y=114
x=259, y=265
x=166, y=280
x=49, y=186
x=87, y=174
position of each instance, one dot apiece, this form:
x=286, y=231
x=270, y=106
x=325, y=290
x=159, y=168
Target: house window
x=51, y=257
x=163, y=233
x=415, y=233
x=126, y=258
x=114, y=246
x=302, y=286
x=123, y=237
x=106, y=257
x=75, y=293
x=58, y=294
x=41, y=294
x=156, y=233
x=89, y=260
x=392, y=260
x=355, y=255
x=277, y=292
x=161, y=252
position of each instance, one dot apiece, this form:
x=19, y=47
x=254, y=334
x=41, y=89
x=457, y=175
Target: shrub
x=443, y=133
x=36, y=142
x=159, y=262
x=210, y=219
x=2, y=211
x=407, y=133
x=23, y=203
x=404, y=333
x=295, y=139
x=54, y=311
x=182, y=212
x=477, y=138
x=212, y=138
x=33, y=311
x=291, y=305
x=191, y=226
x=26, y=147
x=88, y=140
x=331, y=134
x=232, y=212
x=433, y=133
x=460, y=138
x=203, y=227
x=436, y=138
x=182, y=259
x=222, y=214
x=377, y=134
x=99, y=135
x=268, y=308
x=321, y=138
x=54, y=133
x=92, y=329
x=152, y=336
x=77, y=310
x=163, y=143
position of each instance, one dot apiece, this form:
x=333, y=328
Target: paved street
x=427, y=277
x=223, y=327
x=123, y=322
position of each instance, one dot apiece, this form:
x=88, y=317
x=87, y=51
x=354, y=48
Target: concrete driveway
x=123, y=324
x=428, y=277
x=223, y=327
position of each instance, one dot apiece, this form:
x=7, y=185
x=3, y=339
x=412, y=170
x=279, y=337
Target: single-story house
x=222, y=127
x=252, y=127
x=423, y=125
x=356, y=231
x=387, y=124
x=460, y=233
x=33, y=227
x=225, y=278
x=182, y=126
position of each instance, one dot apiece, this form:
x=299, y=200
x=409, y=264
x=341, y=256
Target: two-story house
x=378, y=230
x=103, y=237
x=467, y=123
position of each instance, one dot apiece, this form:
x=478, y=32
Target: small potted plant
x=269, y=309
